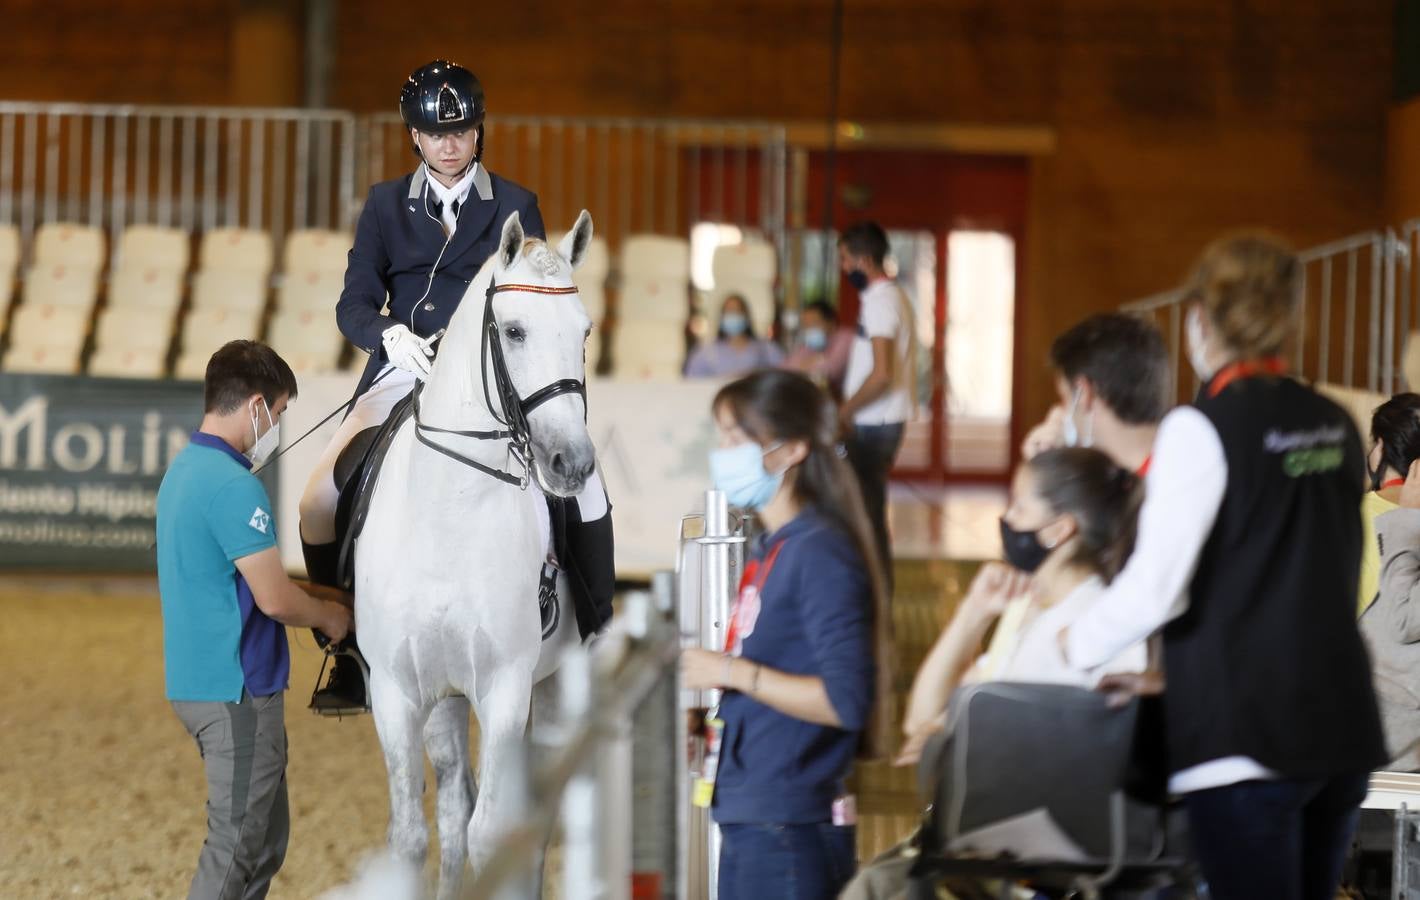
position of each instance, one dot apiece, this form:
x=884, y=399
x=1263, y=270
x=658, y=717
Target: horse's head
x=541, y=328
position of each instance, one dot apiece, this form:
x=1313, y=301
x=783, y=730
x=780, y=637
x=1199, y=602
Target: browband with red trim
x=532, y=288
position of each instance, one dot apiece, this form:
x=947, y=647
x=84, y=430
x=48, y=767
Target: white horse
x=449, y=563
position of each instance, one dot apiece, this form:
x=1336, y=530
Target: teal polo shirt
x=213, y=511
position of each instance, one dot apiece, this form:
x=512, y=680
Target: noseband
x=515, y=409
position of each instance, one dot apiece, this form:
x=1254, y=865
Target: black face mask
x=1023, y=548
x=859, y=279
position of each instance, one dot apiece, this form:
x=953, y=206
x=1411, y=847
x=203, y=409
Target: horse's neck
x=454, y=396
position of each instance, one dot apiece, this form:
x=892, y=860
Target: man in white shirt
x=876, y=387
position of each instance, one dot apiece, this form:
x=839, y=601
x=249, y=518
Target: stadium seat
x=314, y=290
x=132, y=342
x=205, y=330
x=47, y=338
x=152, y=246
x=652, y=351
x=61, y=284
x=655, y=278
x=236, y=248
x=148, y=268
x=69, y=244
x=117, y=362
x=307, y=339
x=748, y=269
x=147, y=288
x=316, y=250
x=65, y=271
x=9, y=267
x=235, y=289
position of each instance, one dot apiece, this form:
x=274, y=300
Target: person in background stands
x=823, y=347
x=877, y=387
x=225, y=597
x=1111, y=375
x=736, y=350
x=1247, y=558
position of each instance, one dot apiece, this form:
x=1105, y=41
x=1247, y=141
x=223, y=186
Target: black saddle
x=357, y=470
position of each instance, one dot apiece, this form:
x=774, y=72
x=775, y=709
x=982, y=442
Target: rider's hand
x=406, y=350
x=337, y=621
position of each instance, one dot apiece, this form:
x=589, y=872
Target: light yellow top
x=1372, y=505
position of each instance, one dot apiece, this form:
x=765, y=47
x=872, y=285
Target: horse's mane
x=463, y=337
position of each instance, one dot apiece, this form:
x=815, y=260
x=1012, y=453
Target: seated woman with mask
x=736, y=350
x=1390, y=575
x=1067, y=532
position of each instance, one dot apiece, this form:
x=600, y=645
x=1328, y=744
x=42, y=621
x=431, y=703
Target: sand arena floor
x=101, y=789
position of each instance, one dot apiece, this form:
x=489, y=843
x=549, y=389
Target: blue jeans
x=786, y=862
x=1282, y=840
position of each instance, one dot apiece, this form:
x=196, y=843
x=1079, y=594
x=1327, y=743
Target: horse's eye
x=515, y=334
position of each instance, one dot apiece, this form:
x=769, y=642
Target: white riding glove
x=407, y=350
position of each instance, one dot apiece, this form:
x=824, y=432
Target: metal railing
x=635, y=175
x=1356, y=309
x=196, y=168
x=601, y=789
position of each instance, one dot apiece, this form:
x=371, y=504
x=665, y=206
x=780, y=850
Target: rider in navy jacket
x=397, y=241
x=420, y=241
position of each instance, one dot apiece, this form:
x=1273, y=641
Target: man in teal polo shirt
x=226, y=599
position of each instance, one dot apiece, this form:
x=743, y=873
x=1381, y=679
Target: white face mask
x=263, y=445
x=1197, y=349
x=1071, y=432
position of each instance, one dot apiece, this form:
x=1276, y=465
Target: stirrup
x=547, y=606
x=332, y=650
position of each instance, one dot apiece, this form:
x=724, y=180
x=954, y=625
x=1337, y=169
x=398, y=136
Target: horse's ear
x=574, y=245
x=511, y=243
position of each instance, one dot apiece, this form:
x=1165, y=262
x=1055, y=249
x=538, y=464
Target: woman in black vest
x=1247, y=557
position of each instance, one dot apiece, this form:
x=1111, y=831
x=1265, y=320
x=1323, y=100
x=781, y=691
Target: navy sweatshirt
x=814, y=618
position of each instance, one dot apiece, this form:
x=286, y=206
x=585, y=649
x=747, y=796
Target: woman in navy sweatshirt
x=803, y=675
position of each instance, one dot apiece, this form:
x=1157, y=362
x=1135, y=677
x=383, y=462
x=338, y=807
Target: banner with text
x=80, y=464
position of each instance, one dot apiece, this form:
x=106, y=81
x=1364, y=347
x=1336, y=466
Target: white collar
x=460, y=189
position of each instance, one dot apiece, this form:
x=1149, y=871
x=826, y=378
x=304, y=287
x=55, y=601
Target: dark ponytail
x=777, y=405
x=1103, y=499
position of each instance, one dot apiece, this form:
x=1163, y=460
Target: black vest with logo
x=1268, y=662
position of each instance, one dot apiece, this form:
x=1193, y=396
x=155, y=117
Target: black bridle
x=515, y=409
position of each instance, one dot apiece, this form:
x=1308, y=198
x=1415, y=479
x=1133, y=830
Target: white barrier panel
x=652, y=439
x=653, y=442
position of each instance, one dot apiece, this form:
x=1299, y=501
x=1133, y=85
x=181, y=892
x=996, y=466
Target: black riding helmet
x=441, y=97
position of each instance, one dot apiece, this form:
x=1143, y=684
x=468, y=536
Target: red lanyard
x=1144, y=466
x=756, y=573
x=1394, y=482
x=1246, y=368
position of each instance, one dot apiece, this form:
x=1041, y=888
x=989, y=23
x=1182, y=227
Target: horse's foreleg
x=502, y=722
x=398, y=722
x=446, y=740
x=543, y=732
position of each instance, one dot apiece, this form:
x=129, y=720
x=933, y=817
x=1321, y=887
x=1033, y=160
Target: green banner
x=80, y=464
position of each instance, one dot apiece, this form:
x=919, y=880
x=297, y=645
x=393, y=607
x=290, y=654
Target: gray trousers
x=243, y=747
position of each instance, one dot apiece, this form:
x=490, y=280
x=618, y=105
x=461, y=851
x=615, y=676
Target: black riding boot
x=344, y=693
x=588, y=554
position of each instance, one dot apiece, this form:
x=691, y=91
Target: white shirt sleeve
x=881, y=317
x=1182, y=494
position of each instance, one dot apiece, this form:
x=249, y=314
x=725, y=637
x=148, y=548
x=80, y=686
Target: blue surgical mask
x=859, y=279
x=816, y=339
x=739, y=472
x=733, y=324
